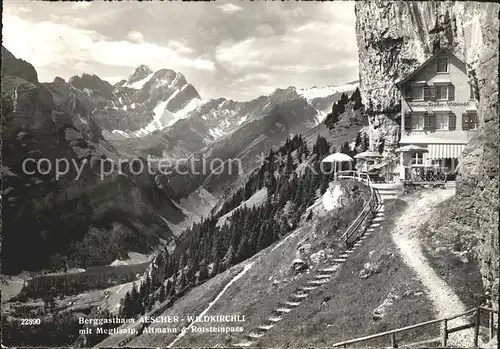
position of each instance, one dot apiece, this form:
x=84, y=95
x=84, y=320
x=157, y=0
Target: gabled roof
x=443, y=50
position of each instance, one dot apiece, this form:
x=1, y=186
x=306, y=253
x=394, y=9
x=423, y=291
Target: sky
x=237, y=50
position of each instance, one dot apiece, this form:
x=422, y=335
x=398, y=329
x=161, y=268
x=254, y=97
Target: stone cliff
x=393, y=39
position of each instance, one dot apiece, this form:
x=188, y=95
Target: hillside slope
x=78, y=219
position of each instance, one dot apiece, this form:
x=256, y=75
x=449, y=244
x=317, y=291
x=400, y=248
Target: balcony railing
x=426, y=174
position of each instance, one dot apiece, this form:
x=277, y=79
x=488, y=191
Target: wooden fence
x=445, y=333
x=369, y=207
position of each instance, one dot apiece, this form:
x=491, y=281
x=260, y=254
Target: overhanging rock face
x=394, y=39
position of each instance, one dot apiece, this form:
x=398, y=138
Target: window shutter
x=473, y=121
x=407, y=121
x=407, y=91
x=432, y=121
x=452, y=121
x=432, y=90
x=426, y=121
x=451, y=92
x=427, y=93
x=465, y=121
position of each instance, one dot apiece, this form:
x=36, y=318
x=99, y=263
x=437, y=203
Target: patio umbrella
x=367, y=155
x=337, y=157
x=411, y=149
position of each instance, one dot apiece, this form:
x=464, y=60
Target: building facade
x=439, y=113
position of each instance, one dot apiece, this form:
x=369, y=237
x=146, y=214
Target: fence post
x=444, y=340
x=393, y=340
x=491, y=325
x=476, y=327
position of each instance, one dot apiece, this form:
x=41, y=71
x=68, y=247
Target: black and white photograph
x=249, y=174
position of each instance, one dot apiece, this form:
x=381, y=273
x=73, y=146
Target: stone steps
x=265, y=327
x=256, y=335
x=300, y=295
x=275, y=318
x=291, y=304
x=329, y=269
x=317, y=282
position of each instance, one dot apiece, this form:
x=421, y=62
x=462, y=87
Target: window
x=418, y=93
x=442, y=92
x=442, y=65
x=442, y=121
x=473, y=121
x=429, y=93
x=417, y=122
x=417, y=159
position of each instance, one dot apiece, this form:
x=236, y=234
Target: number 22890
x=30, y=322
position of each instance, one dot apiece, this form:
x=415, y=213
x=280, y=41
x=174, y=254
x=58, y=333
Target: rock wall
x=393, y=39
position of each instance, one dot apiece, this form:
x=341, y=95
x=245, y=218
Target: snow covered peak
x=321, y=92
x=139, y=73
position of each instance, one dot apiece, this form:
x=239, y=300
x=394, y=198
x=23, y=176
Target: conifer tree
x=163, y=293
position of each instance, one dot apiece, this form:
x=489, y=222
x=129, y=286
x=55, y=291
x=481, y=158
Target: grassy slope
x=347, y=315
x=345, y=130
x=255, y=200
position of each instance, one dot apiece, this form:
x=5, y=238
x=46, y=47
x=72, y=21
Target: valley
x=225, y=240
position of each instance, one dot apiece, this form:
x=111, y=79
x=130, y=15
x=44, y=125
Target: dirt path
x=405, y=235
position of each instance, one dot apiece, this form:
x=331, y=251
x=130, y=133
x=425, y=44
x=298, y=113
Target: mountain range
x=151, y=114
x=148, y=101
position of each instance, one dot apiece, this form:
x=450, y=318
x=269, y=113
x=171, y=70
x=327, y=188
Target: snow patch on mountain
x=321, y=92
x=120, y=134
x=139, y=84
x=160, y=109
x=163, y=118
x=181, y=114
x=243, y=119
x=216, y=132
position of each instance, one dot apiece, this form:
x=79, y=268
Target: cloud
x=81, y=5
x=179, y=47
x=23, y=9
x=48, y=43
x=230, y=8
x=311, y=47
x=135, y=36
x=264, y=29
x=240, y=55
x=233, y=49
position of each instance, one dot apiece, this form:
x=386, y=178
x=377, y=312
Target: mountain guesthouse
x=439, y=114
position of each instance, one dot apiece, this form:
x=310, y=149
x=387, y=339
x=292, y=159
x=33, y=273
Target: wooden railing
x=369, y=207
x=445, y=333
